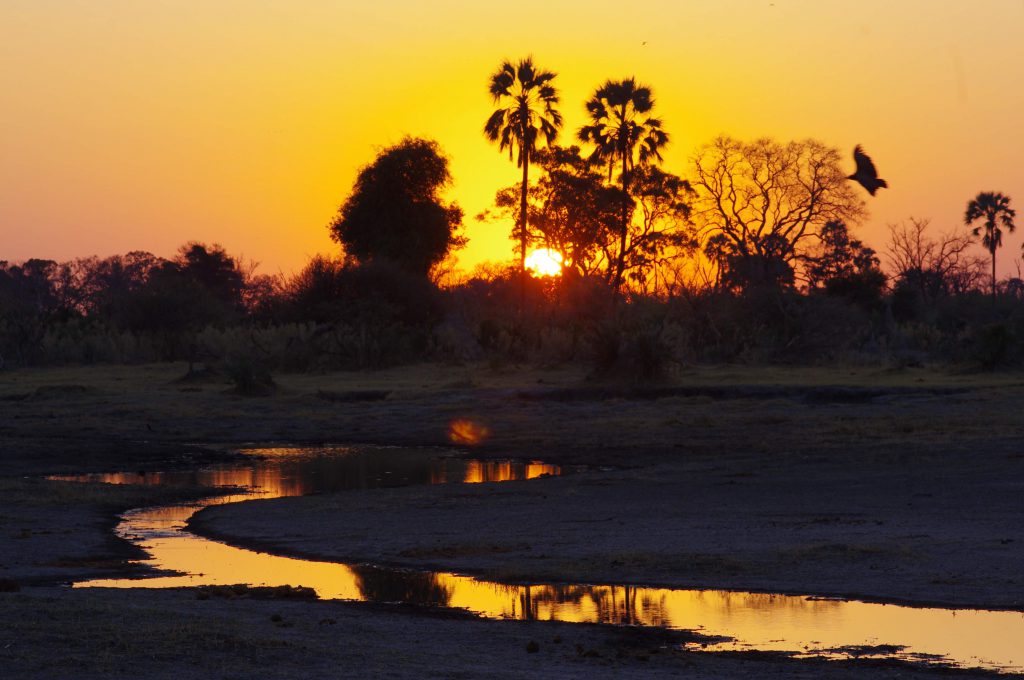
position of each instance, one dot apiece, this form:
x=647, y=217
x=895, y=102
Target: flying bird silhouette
x=866, y=175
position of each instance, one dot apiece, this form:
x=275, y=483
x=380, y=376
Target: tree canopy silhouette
x=624, y=134
x=662, y=229
x=211, y=267
x=762, y=205
x=573, y=212
x=395, y=211
x=845, y=267
x=526, y=113
x=569, y=209
x=937, y=264
x=995, y=208
x=107, y=284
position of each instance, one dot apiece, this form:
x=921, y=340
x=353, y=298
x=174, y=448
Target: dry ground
x=87, y=635
x=890, y=484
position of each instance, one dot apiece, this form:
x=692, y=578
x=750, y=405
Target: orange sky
x=139, y=125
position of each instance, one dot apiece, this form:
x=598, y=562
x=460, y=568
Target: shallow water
x=753, y=621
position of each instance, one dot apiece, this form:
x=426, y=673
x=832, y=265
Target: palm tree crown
x=527, y=110
x=995, y=208
x=624, y=134
x=526, y=99
x=620, y=129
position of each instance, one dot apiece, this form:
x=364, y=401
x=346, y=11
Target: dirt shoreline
x=174, y=635
x=202, y=526
x=835, y=545
x=805, y=486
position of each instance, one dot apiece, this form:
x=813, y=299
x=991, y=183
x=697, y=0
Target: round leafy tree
x=396, y=213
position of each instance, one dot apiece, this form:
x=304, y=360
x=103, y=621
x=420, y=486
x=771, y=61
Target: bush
x=249, y=375
x=634, y=345
x=993, y=346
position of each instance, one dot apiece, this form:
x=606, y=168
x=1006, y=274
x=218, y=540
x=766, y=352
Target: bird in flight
x=866, y=175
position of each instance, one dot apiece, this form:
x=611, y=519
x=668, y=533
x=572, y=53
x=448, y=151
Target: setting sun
x=544, y=262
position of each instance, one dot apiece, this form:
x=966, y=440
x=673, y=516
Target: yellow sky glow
x=139, y=125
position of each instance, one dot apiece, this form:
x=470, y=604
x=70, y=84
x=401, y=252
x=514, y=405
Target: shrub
x=249, y=375
x=993, y=346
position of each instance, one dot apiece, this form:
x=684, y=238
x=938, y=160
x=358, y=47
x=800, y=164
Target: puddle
x=804, y=626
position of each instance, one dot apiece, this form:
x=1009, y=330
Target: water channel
x=802, y=625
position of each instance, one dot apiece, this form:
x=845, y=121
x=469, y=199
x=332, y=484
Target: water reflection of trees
x=597, y=604
x=389, y=585
x=297, y=472
x=642, y=606
x=735, y=601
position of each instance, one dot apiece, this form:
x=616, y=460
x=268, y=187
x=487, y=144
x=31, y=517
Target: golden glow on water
x=479, y=471
x=467, y=432
x=807, y=626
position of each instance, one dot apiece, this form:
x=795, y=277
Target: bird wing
x=865, y=167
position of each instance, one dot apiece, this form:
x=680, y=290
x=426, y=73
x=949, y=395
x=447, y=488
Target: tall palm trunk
x=620, y=265
x=993, y=274
x=522, y=213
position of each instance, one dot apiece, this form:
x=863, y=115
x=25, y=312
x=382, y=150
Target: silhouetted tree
x=915, y=294
x=107, y=283
x=767, y=268
x=936, y=263
x=929, y=268
x=845, y=267
x=768, y=202
x=214, y=270
x=169, y=300
x=569, y=210
x=317, y=292
x=172, y=308
x=526, y=113
x=995, y=208
x=28, y=305
x=661, y=228
x=624, y=134
x=395, y=211
x=573, y=212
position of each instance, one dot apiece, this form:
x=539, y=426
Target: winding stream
x=804, y=626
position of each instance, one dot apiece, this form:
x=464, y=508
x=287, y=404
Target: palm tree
x=995, y=208
x=623, y=133
x=526, y=100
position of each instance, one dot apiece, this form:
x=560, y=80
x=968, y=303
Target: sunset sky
x=131, y=125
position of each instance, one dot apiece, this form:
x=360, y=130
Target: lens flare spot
x=465, y=431
x=544, y=262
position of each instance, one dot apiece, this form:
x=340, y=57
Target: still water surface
x=752, y=621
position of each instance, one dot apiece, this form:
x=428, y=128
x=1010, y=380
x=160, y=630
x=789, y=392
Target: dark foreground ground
x=160, y=634
x=892, y=485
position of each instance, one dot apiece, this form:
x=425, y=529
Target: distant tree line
x=204, y=306
x=749, y=256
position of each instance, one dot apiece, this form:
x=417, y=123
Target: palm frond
x=492, y=128
x=502, y=80
x=526, y=73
